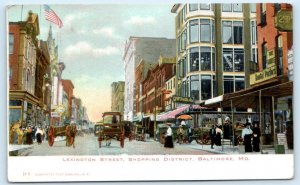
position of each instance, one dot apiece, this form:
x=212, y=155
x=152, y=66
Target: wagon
x=112, y=128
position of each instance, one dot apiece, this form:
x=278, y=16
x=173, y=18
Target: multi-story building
x=153, y=89
x=23, y=45
x=56, y=78
x=117, y=96
x=216, y=48
x=138, y=49
x=67, y=98
x=275, y=59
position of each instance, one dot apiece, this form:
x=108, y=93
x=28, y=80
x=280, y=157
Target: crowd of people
x=21, y=135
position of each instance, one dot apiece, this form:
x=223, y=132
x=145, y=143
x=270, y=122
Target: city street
x=88, y=145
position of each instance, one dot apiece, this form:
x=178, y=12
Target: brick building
x=68, y=89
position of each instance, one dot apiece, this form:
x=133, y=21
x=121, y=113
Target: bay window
x=194, y=59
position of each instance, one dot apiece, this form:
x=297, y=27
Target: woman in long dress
x=247, y=135
x=169, y=140
x=39, y=135
x=256, y=136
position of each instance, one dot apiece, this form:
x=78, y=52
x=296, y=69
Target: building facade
x=117, y=96
x=138, y=49
x=23, y=45
x=67, y=99
x=216, y=48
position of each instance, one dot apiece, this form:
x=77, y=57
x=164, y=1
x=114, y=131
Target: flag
x=51, y=16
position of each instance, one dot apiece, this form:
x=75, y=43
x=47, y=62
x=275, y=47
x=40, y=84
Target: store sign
x=290, y=65
x=268, y=73
x=182, y=99
x=284, y=20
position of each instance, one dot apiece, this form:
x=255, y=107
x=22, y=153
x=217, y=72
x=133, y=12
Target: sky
x=91, y=42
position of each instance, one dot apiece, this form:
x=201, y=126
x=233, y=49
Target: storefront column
x=273, y=120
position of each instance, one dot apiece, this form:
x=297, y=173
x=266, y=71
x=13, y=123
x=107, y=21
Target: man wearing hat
x=246, y=135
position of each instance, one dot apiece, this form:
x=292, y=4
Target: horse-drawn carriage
x=111, y=128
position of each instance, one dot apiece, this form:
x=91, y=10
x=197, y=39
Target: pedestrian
x=219, y=134
x=190, y=134
x=227, y=129
x=39, y=134
x=246, y=135
x=51, y=135
x=212, y=135
x=28, y=132
x=180, y=134
x=68, y=135
x=256, y=137
x=168, y=137
x=73, y=134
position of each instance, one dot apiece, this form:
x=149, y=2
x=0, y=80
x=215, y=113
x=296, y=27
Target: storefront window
x=227, y=32
x=238, y=60
x=239, y=83
x=228, y=84
x=205, y=30
x=227, y=59
x=205, y=58
x=194, y=59
x=195, y=87
x=205, y=87
x=194, y=31
x=14, y=115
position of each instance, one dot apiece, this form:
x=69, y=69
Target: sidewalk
x=229, y=149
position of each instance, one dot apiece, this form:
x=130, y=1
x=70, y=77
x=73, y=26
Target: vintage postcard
x=150, y=92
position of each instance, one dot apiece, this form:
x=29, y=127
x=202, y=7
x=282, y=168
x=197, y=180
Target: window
x=11, y=43
x=184, y=89
x=239, y=83
x=263, y=15
x=184, y=66
x=194, y=59
x=238, y=60
x=205, y=87
x=205, y=30
x=227, y=59
x=228, y=84
x=253, y=7
x=193, y=7
x=10, y=73
x=215, y=93
x=237, y=7
x=194, y=31
x=183, y=40
x=253, y=33
x=254, y=55
x=204, y=6
x=227, y=32
x=238, y=32
x=264, y=55
x=213, y=59
x=277, y=7
x=195, y=87
x=279, y=55
x=205, y=59
x=226, y=8
x=213, y=30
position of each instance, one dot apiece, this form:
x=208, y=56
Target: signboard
x=284, y=20
x=268, y=73
x=182, y=99
x=281, y=139
x=290, y=65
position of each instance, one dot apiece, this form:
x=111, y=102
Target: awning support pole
x=260, y=119
x=273, y=120
x=232, y=128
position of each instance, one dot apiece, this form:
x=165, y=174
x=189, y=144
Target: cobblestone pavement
x=88, y=145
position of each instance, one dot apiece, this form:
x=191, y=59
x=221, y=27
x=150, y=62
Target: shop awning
x=249, y=97
x=172, y=114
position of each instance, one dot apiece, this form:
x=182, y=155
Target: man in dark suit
x=213, y=134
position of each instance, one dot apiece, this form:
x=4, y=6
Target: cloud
x=141, y=21
x=69, y=22
x=84, y=48
x=104, y=31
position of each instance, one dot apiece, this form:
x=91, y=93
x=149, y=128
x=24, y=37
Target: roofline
x=175, y=7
